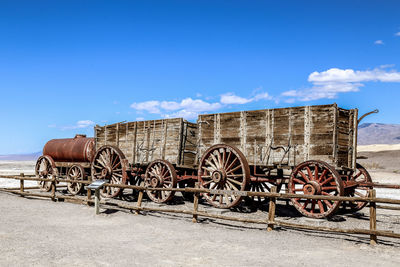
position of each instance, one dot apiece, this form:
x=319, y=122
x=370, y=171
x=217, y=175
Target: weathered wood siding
x=144, y=141
x=285, y=136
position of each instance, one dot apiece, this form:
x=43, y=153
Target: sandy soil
x=44, y=233
x=377, y=148
x=41, y=232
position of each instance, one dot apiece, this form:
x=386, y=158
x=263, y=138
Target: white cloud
x=328, y=84
x=80, y=125
x=262, y=96
x=149, y=106
x=140, y=119
x=190, y=115
x=188, y=108
x=378, y=42
x=231, y=98
x=170, y=105
x=397, y=34
x=348, y=75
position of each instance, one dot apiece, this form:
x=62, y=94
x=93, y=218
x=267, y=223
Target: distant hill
x=378, y=133
x=21, y=157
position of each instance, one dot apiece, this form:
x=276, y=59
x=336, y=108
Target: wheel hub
x=106, y=173
x=312, y=188
x=154, y=182
x=44, y=173
x=218, y=176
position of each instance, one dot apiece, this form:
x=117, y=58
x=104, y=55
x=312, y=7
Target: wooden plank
x=271, y=211
x=307, y=132
x=117, y=135
x=164, y=138
x=372, y=216
x=355, y=133
x=180, y=144
x=134, y=149
x=243, y=133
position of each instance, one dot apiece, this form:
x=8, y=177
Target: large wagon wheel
x=360, y=175
x=160, y=174
x=77, y=173
x=315, y=177
x=224, y=167
x=45, y=168
x=109, y=163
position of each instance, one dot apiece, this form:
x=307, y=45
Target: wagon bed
x=142, y=142
x=285, y=136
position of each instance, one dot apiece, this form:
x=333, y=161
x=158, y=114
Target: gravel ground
x=41, y=232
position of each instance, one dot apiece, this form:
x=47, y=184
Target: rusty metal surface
x=77, y=149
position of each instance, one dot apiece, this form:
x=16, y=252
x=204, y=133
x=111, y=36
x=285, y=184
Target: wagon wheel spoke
x=360, y=175
x=223, y=167
x=315, y=178
x=109, y=163
x=160, y=174
x=45, y=168
x=76, y=172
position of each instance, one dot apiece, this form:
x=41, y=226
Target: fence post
x=372, y=216
x=97, y=201
x=21, y=183
x=271, y=211
x=140, y=198
x=53, y=189
x=89, y=192
x=195, y=203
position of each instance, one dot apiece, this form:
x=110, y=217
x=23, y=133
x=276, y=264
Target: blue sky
x=67, y=65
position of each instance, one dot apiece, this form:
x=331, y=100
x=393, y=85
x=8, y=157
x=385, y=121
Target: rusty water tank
x=77, y=149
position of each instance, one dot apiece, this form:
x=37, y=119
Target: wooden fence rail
x=270, y=221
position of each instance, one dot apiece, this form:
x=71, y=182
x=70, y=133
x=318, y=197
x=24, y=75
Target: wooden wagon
x=312, y=150
x=162, y=152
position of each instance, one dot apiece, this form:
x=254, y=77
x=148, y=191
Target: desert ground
x=42, y=232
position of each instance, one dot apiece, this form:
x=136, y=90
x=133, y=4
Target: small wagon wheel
x=76, y=172
x=224, y=167
x=258, y=186
x=315, y=177
x=45, y=168
x=160, y=174
x=360, y=175
x=109, y=163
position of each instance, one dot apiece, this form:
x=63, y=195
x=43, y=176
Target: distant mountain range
x=378, y=133
x=21, y=157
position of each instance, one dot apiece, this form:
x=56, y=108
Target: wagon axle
x=312, y=188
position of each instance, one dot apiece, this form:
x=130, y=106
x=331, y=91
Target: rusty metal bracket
x=367, y=114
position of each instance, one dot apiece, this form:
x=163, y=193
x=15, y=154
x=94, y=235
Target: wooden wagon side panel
x=322, y=130
x=173, y=137
x=285, y=136
x=257, y=131
x=206, y=133
x=144, y=141
x=157, y=139
x=189, y=145
x=347, y=137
